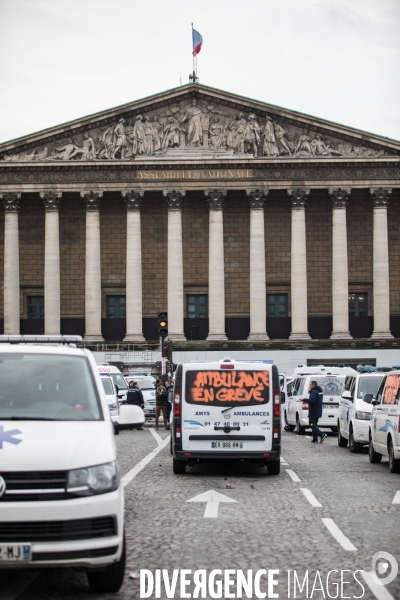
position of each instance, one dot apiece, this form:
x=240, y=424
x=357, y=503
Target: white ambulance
x=118, y=380
x=227, y=410
x=331, y=380
x=384, y=435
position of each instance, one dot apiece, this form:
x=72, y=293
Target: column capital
x=339, y=197
x=11, y=202
x=215, y=198
x=174, y=198
x=51, y=200
x=132, y=199
x=298, y=198
x=92, y=200
x=380, y=197
x=257, y=198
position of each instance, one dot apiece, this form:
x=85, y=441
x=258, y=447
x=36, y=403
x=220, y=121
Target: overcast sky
x=334, y=59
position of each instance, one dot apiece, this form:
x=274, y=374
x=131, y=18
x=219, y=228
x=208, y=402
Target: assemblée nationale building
x=245, y=221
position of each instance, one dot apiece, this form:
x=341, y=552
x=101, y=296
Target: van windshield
x=369, y=385
x=47, y=387
x=119, y=381
x=222, y=388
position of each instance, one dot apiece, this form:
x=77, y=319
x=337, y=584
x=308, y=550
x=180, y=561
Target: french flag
x=197, y=42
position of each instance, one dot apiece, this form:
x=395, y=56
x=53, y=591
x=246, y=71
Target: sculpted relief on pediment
x=195, y=129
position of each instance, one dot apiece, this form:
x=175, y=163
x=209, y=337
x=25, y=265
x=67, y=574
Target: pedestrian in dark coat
x=315, y=411
x=161, y=398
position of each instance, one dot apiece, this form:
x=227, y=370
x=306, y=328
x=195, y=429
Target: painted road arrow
x=213, y=499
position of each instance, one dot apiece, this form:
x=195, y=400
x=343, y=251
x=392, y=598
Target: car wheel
x=394, y=463
x=109, y=579
x=342, y=441
x=374, y=457
x=355, y=447
x=300, y=429
x=287, y=426
x=178, y=466
x=273, y=467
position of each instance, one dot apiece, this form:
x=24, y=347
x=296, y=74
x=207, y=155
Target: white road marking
x=17, y=585
x=293, y=475
x=379, y=591
x=145, y=461
x=396, y=499
x=308, y=437
x=338, y=535
x=154, y=433
x=311, y=498
x=213, y=499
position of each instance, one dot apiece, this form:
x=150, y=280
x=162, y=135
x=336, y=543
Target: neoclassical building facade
x=245, y=221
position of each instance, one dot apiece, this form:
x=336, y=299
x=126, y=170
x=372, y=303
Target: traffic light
x=163, y=324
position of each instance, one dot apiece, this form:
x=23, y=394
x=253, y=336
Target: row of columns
x=216, y=289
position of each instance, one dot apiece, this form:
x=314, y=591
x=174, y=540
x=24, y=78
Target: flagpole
x=194, y=58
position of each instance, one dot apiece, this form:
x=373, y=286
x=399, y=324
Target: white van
x=118, y=379
x=61, y=499
x=226, y=410
x=354, y=412
x=331, y=380
x=384, y=434
x=111, y=397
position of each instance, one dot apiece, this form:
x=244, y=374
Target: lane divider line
x=155, y=435
x=145, y=461
x=396, y=499
x=293, y=475
x=379, y=591
x=339, y=535
x=311, y=498
x=18, y=585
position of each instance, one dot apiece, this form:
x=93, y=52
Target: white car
x=331, y=380
x=111, y=397
x=355, y=412
x=384, y=435
x=146, y=385
x=118, y=379
x=61, y=498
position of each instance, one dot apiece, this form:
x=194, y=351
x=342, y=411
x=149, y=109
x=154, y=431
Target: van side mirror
x=346, y=395
x=369, y=399
x=283, y=397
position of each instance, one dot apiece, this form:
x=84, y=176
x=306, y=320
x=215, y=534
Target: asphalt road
x=317, y=524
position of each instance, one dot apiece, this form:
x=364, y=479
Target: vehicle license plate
x=15, y=552
x=226, y=444
x=330, y=406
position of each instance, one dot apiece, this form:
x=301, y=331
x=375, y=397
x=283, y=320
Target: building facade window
x=358, y=304
x=277, y=305
x=196, y=306
x=116, y=307
x=35, y=307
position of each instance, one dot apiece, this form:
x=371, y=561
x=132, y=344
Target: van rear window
x=224, y=388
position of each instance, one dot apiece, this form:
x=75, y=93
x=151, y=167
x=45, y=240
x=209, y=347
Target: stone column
x=92, y=268
x=52, y=311
x=258, y=304
x=340, y=286
x=134, y=307
x=216, y=267
x=380, y=199
x=298, y=270
x=11, y=264
x=175, y=265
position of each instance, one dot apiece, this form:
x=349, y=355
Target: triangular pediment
x=195, y=122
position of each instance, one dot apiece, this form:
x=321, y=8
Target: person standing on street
x=161, y=398
x=315, y=411
x=135, y=396
x=169, y=388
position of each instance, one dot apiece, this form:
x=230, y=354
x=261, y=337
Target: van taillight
x=177, y=432
x=304, y=406
x=177, y=402
x=277, y=402
x=276, y=432
x=227, y=366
